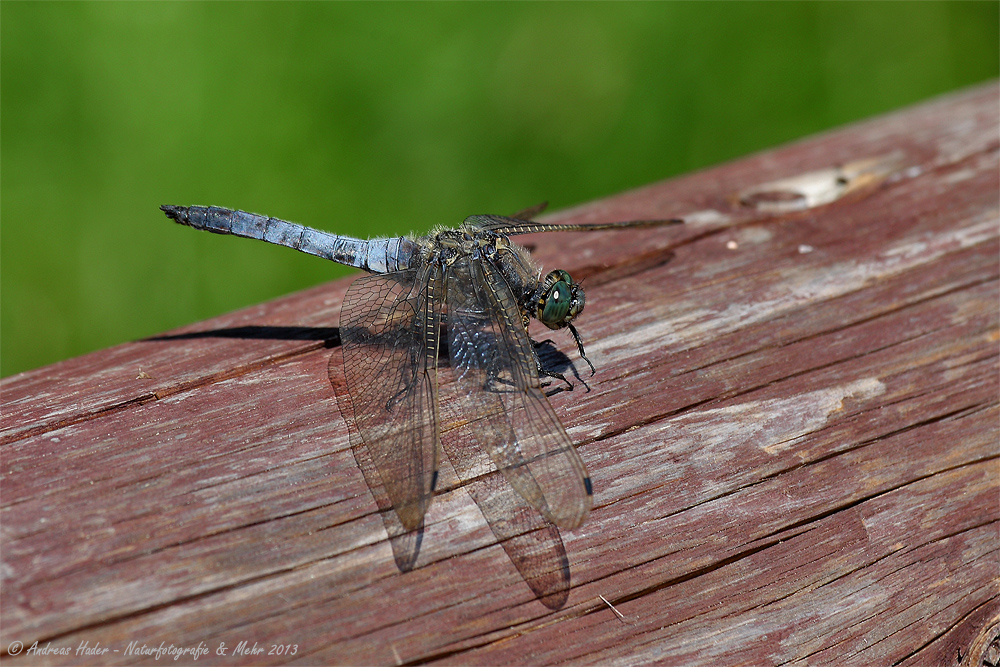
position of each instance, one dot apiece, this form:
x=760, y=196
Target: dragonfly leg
x=579, y=345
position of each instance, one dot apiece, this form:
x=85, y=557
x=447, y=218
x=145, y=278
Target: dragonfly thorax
x=554, y=301
x=448, y=246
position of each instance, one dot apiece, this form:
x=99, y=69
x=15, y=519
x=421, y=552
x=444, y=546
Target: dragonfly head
x=559, y=300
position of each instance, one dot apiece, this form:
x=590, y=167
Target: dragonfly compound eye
x=562, y=301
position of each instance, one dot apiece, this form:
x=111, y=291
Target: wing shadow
x=329, y=335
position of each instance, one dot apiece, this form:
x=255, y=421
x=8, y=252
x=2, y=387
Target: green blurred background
x=388, y=118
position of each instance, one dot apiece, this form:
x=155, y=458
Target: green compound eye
x=556, y=304
x=562, y=301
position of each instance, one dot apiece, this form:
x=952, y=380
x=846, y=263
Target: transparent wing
x=531, y=212
x=505, y=226
x=389, y=329
x=405, y=543
x=497, y=383
x=531, y=541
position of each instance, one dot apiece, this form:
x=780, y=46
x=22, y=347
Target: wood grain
x=792, y=435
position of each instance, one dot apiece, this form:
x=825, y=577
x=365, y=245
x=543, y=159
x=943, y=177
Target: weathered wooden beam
x=792, y=436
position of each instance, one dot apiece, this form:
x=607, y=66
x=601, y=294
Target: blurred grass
x=385, y=118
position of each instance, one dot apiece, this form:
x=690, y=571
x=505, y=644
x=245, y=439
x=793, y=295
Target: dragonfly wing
x=504, y=226
x=497, y=376
x=405, y=543
x=389, y=327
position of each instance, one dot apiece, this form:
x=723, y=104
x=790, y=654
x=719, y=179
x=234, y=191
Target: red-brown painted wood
x=792, y=436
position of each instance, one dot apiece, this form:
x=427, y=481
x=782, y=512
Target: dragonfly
x=460, y=297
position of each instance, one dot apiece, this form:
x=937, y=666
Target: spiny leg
x=579, y=346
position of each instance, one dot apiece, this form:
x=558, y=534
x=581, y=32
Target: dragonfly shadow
x=532, y=543
x=329, y=335
x=555, y=360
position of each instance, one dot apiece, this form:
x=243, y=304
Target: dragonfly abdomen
x=374, y=255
